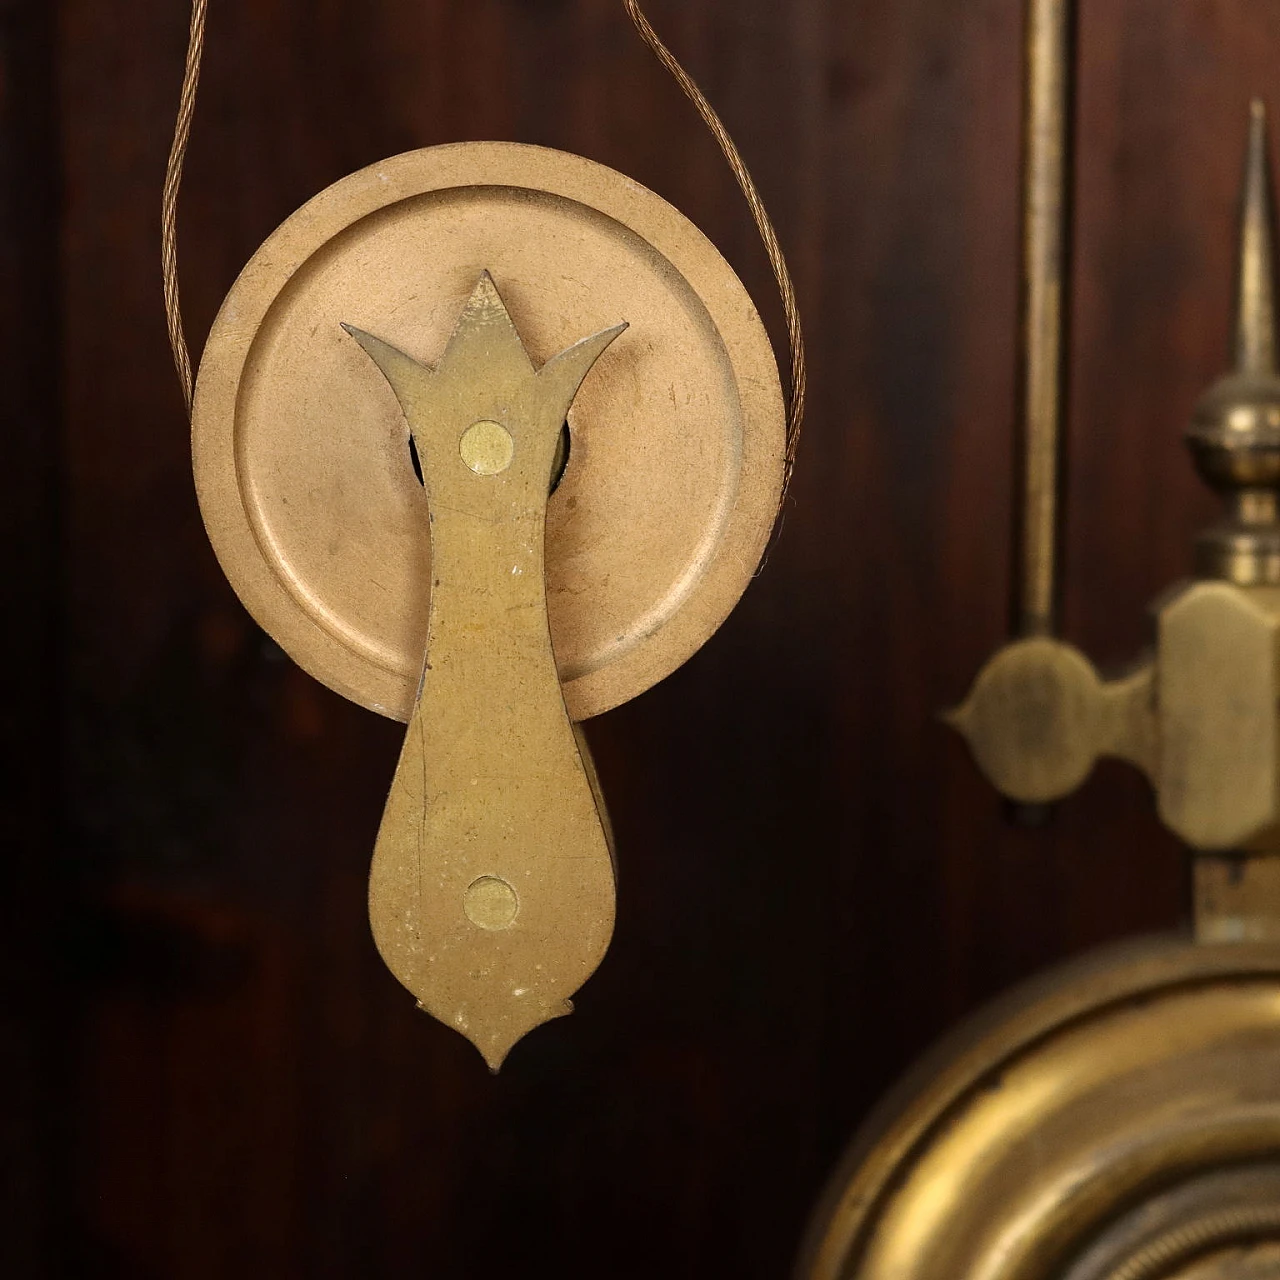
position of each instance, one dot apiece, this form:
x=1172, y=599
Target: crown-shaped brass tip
x=1235, y=431
x=485, y=365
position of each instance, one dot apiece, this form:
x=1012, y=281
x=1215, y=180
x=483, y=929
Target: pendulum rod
x=1046, y=178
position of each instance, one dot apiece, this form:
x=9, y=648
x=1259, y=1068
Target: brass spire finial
x=1235, y=431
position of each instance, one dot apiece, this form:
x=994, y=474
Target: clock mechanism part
x=489, y=439
x=1115, y=1119
x=1198, y=713
x=1118, y=1119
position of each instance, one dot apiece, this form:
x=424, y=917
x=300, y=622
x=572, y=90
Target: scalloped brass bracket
x=1039, y=716
x=1199, y=718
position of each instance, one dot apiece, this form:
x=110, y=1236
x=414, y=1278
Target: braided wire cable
x=182, y=138
x=169, y=199
x=790, y=308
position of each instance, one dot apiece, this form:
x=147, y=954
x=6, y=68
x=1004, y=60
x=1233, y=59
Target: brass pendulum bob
x=467, y=606
x=491, y=892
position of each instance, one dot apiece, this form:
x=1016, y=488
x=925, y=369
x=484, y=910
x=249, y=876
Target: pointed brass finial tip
x=1235, y=430
x=485, y=289
x=495, y=1039
x=485, y=303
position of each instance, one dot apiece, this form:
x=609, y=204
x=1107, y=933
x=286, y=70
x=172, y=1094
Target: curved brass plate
x=1020, y=1140
x=305, y=479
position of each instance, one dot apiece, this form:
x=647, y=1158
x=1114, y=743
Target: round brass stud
x=491, y=903
x=487, y=448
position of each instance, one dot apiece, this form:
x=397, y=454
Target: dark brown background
x=207, y=1071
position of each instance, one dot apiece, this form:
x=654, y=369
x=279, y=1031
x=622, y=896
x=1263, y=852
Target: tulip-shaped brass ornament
x=491, y=894
x=443, y=478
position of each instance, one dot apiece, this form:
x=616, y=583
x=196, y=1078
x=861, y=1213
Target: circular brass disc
x=1016, y=1146
x=301, y=454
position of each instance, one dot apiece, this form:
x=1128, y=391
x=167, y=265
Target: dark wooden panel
x=815, y=882
x=37, y=1006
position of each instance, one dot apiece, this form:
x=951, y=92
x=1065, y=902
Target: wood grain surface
x=212, y=1073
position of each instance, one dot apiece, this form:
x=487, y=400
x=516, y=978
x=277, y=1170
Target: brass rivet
x=487, y=447
x=490, y=903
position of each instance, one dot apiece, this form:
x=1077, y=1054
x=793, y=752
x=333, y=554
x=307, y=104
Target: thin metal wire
x=182, y=136
x=795, y=334
x=169, y=200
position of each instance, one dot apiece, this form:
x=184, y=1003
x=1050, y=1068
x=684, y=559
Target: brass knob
x=1201, y=716
x=1235, y=431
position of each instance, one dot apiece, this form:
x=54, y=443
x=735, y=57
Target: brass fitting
x=1201, y=715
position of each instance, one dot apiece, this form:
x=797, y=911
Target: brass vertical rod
x=1255, y=318
x=1046, y=177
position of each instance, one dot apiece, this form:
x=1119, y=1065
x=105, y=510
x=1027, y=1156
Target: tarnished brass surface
x=1201, y=715
x=1039, y=716
x=1095, y=1092
x=675, y=464
x=491, y=892
x=1218, y=693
